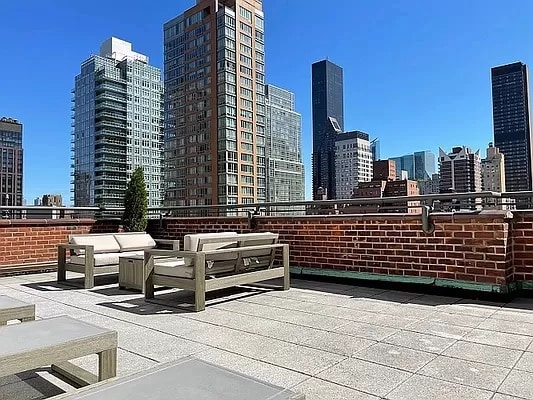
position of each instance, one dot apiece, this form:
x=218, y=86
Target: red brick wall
x=522, y=246
x=35, y=241
x=484, y=248
x=464, y=247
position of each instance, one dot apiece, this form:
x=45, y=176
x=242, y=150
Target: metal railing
x=423, y=205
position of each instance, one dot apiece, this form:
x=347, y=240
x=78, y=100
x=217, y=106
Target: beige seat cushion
x=102, y=259
x=190, y=242
x=105, y=243
x=174, y=267
x=134, y=241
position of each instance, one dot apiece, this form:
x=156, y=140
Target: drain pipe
x=427, y=225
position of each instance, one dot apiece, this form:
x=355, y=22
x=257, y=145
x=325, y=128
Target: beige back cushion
x=190, y=242
x=135, y=241
x=103, y=243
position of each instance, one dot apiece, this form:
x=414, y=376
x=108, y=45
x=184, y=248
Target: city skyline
x=461, y=117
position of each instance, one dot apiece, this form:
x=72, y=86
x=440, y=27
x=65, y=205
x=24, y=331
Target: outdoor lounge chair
x=13, y=309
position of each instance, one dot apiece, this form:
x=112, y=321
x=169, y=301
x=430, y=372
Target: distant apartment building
x=353, y=162
x=493, y=170
x=52, y=200
x=37, y=201
x=117, y=125
x=285, y=179
x=419, y=165
x=11, y=162
x=328, y=121
x=215, y=104
x=384, y=170
x=512, y=124
x=431, y=185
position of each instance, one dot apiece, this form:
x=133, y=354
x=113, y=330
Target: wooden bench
x=56, y=341
x=229, y=261
x=13, y=309
x=187, y=379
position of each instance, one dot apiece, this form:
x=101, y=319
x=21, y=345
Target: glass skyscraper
x=328, y=120
x=117, y=125
x=285, y=170
x=215, y=111
x=419, y=165
x=512, y=125
x=11, y=162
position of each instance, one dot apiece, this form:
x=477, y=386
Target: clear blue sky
x=416, y=72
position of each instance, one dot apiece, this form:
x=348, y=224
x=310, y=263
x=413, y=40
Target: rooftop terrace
x=330, y=341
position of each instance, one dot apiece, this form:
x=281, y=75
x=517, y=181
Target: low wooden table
x=187, y=378
x=56, y=341
x=13, y=309
x=131, y=273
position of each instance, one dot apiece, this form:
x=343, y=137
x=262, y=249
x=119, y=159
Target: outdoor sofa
x=99, y=253
x=214, y=261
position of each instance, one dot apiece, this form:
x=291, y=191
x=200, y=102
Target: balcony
x=392, y=305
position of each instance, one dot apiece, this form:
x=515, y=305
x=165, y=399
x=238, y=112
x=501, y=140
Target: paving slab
x=339, y=343
x=502, y=339
x=500, y=325
x=519, y=384
x=439, y=329
x=526, y=362
x=365, y=376
x=468, y=373
x=424, y=388
x=420, y=341
x=318, y=389
x=366, y=331
x=482, y=353
x=397, y=357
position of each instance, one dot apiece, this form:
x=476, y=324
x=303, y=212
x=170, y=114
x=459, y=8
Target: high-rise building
x=37, y=201
x=512, y=125
x=11, y=162
x=328, y=121
x=117, y=126
x=215, y=111
x=493, y=170
x=419, y=165
x=285, y=171
x=460, y=171
x=353, y=162
x=375, y=148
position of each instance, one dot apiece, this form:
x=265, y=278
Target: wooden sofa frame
x=200, y=285
x=88, y=269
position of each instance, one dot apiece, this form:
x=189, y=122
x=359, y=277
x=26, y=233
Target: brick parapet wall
x=35, y=241
x=488, y=247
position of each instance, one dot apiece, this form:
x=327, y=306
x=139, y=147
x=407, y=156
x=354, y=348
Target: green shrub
x=135, y=217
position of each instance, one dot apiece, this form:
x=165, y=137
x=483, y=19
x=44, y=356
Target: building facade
x=328, y=121
x=431, y=185
x=285, y=170
x=375, y=148
x=215, y=104
x=11, y=162
x=353, y=162
x=384, y=170
x=460, y=171
x=52, y=200
x=117, y=125
x=419, y=165
x=493, y=170
x=512, y=124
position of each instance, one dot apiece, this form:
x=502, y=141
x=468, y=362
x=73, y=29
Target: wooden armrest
x=169, y=253
x=174, y=243
x=68, y=246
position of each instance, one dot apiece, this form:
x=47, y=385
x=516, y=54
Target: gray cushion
x=134, y=241
x=101, y=243
x=190, y=242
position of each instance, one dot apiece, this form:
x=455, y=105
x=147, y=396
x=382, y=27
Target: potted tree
x=135, y=217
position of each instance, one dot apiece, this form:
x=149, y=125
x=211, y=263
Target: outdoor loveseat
x=99, y=253
x=215, y=261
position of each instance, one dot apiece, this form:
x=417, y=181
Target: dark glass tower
x=11, y=162
x=328, y=121
x=511, y=120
